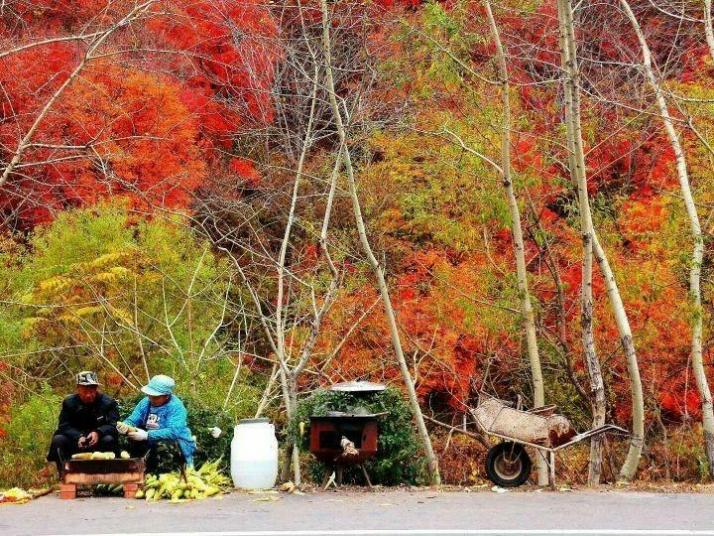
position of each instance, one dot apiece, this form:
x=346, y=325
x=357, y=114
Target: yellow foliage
x=30, y=324
x=109, y=259
x=54, y=284
x=123, y=315
x=152, y=277
x=70, y=291
x=120, y=271
x=70, y=318
x=89, y=310
x=106, y=277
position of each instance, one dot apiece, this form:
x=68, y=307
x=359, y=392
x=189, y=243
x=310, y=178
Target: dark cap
x=88, y=378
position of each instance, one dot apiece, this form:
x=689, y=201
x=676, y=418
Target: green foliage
x=24, y=446
x=448, y=42
x=685, y=447
x=113, y=290
x=695, y=454
x=436, y=17
x=436, y=194
x=210, y=388
x=562, y=393
x=397, y=460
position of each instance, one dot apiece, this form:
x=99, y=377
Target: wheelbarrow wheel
x=508, y=465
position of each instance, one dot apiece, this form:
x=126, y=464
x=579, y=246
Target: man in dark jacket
x=87, y=422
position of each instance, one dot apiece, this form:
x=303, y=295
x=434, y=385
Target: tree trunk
x=577, y=161
x=637, y=437
x=517, y=233
x=297, y=476
x=708, y=26
x=287, y=460
x=597, y=386
x=377, y=269
x=598, y=402
x=695, y=229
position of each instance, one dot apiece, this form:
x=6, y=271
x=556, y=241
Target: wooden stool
x=129, y=473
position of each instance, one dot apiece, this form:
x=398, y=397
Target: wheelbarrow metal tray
x=545, y=430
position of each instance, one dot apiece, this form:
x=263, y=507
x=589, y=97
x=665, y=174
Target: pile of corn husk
x=198, y=484
x=15, y=496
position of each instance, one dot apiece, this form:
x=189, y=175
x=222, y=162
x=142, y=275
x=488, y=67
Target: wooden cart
x=129, y=473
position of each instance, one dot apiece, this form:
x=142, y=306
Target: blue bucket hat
x=159, y=385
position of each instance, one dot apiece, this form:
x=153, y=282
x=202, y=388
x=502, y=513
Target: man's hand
x=139, y=435
x=93, y=439
x=82, y=442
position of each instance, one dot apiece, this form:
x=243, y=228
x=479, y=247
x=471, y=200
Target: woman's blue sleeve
x=138, y=416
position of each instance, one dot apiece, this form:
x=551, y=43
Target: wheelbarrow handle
x=605, y=428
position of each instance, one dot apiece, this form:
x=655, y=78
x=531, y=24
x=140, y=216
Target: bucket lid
x=254, y=421
x=358, y=387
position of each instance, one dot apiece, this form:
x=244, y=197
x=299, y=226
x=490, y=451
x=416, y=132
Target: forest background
x=263, y=198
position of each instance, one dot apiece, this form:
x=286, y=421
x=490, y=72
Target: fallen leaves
x=15, y=496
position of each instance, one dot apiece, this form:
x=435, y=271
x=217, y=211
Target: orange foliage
x=447, y=357
x=245, y=170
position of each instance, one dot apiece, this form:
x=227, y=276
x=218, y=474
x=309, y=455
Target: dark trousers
x=63, y=447
x=139, y=449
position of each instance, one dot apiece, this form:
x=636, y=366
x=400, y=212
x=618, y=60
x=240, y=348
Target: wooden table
x=129, y=473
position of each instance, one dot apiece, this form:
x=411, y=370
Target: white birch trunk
x=708, y=26
x=577, y=160
x=597, y=387
x=377, y=269
x=637, y=437
x=695, y=268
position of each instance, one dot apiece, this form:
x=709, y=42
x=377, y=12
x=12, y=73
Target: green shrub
x=27, y=438
x=397, y=461
x=101, y=268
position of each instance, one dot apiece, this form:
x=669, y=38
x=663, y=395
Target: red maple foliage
x=117, y=132
x=192, y=75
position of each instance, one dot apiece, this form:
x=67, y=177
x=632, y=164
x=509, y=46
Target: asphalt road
x=365, y=514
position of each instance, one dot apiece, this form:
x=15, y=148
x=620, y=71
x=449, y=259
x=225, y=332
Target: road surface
x=394, y=512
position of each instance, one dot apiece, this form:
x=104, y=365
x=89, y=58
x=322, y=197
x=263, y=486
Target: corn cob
x=98, y=456
x=198, y=484
x=129, y=427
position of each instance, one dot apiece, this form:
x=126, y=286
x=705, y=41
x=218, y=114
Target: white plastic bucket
x=254, y=455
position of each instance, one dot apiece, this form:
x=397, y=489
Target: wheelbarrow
x=507, y=463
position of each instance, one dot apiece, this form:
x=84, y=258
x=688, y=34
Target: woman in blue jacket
x=160, y=416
